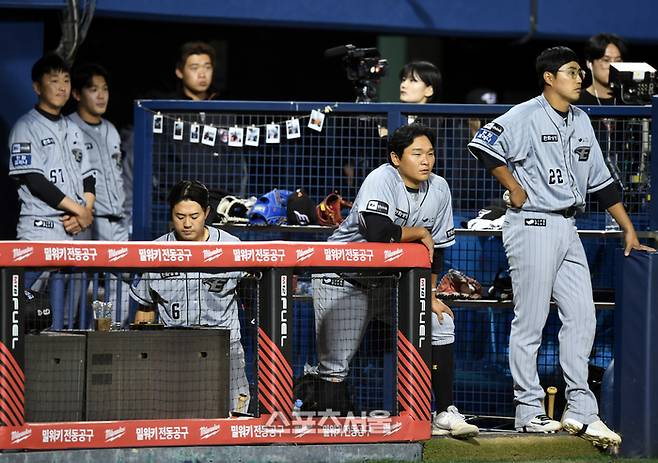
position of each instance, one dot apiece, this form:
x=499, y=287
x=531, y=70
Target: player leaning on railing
x=196, y=298
x=400, y=201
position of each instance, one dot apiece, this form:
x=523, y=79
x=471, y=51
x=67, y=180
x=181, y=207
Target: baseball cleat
x=453, y=423
x=597, y=433
x=539, y=424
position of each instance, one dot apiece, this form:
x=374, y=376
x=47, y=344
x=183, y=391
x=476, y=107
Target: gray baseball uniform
x=54, y=149
x=557, y=161
x=200, y=298
x=342, y=310
x=104, y=152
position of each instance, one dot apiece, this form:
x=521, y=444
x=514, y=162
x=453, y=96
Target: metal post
x=636, y=354
x=414, y=344
x=275, y=331
x=653, y=208
x=12, y=348
x=142, y=183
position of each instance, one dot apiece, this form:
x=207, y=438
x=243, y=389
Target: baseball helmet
x=501, y=288
x=270, y=209
x=300, y=209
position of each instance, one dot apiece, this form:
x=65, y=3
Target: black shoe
x=318, y=395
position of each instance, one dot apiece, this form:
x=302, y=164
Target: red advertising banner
x=149, y=254
x=302, y=428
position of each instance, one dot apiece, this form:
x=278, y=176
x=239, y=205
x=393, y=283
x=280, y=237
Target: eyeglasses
x=574, y=73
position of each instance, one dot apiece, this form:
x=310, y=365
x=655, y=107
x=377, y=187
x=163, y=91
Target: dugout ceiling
x=634, y=19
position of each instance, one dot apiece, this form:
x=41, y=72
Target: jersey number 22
x=555, y=176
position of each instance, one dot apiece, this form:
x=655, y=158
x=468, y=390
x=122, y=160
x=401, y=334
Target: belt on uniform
x=112, y=218
x=568, y=212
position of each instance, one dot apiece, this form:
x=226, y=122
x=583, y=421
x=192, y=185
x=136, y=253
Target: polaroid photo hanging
x=178, y=130
x=209, y=135
x=235, y=136
x=273, y=133
x=316, y=120
x=292, y=129
x=223, y=135
x=253, y=136
x=194, y=133
x=158, y=123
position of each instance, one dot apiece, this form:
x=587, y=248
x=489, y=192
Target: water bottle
x=297, y=407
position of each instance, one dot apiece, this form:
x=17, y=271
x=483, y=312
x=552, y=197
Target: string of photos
x=208, y=134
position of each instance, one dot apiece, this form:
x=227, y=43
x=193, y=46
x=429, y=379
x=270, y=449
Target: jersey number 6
x=175, y=310
x=555, y=176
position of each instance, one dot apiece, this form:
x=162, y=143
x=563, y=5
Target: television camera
x=633, y=83
x=364, y=67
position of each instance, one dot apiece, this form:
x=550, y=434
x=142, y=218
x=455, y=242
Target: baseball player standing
x=402, y=201
x=545, y=153
x=196, y=298
x=49, y=164
x=91, y=92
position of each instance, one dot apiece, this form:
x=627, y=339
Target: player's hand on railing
x=439, y=308
x=631, y=242
x=428, y=242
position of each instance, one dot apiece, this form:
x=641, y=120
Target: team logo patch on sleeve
x=450, y=233
x=21, y=148
x=582, y=152
x=487, y=136
x=21, y=160
x=495, y=128
x=377, y=206
x=552, y=138
x=47, y=141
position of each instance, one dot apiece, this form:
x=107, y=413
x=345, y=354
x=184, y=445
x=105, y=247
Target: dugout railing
x=349, y=145
x=276, y=263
